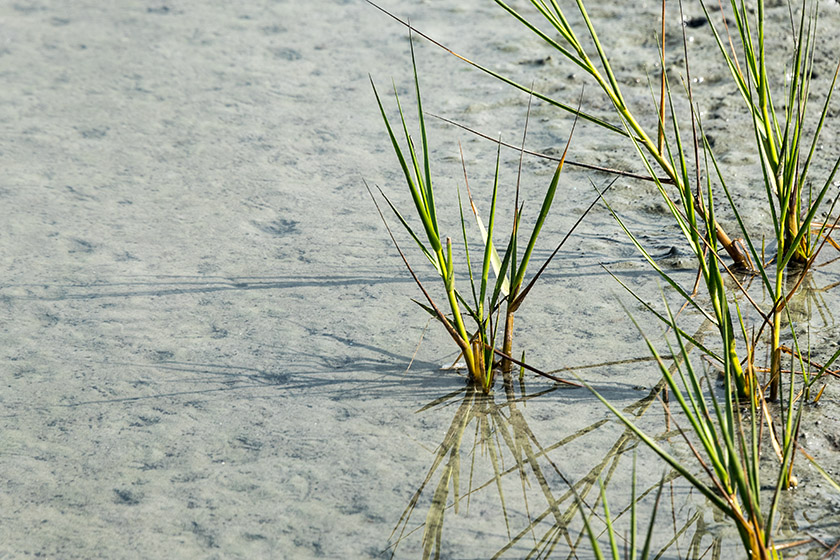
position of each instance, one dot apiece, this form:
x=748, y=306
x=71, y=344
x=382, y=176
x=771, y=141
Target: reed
x=780, y=141
x=782, y=147
x=723, y=426
x=780, y=135
x=726, y=443
x=478, y=345
x=727, y=446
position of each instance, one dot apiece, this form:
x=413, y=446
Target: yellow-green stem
x=735, y=254
x=802, y=251
x=469, y=355
x=776, y=359
x=743, y=382
x=773, y=153
x=507, y=344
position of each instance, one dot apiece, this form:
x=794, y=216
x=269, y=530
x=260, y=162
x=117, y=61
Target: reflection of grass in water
x=502, y=432
x=809, y=298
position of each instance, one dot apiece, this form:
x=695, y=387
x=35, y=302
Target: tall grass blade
x=419, y=203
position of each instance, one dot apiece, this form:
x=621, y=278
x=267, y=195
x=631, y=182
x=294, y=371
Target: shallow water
x=206, y=330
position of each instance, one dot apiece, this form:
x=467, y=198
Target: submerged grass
x=504, y=445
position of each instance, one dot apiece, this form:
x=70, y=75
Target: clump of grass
x=780, y=135
x=780, y=144
x=727, y=446
x=479, y=345
x=725, y=439
x=781, y=149
x=780, y=141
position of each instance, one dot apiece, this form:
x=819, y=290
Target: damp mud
x=208, y=347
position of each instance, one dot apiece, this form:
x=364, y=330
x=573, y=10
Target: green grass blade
x=421, y=185
x=806, y=166
x=756, y=256
x=649, y=538
x=590, y=532
x=546, y=206
x=699, y=424
x=608, y=521
x=564, y=31
x=430, y=196
x=467, y=251
x=826, y=365
x=657, y=268
x=616, y=91
x=701, y=487
x=431, y=234
x=490, y=254
x=822, y=472
x=430, y=256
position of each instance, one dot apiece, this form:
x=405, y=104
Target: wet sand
x=205, y=328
